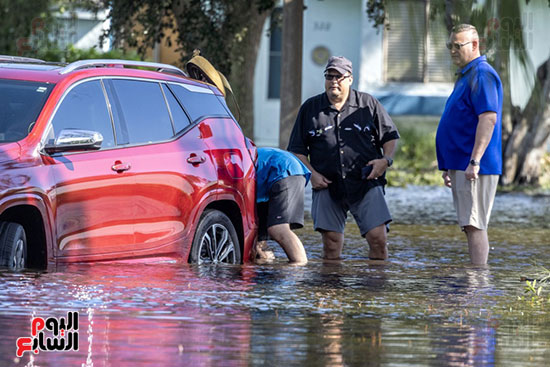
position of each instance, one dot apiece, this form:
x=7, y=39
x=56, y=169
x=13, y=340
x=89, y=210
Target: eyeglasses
x=456, y=45
x=338, y=77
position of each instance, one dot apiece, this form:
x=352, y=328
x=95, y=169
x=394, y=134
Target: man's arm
x=318, y=181
x=380, y=165
x=484, y=132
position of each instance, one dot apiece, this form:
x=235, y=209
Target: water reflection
x=158, y=314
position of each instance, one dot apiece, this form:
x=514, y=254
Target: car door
x=94, y=206
x=171, y=166
x=225, y=142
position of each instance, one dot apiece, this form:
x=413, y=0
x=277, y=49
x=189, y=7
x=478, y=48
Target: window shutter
x=405, y=41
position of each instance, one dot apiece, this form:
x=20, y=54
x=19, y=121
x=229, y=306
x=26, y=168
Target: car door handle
x=195, y=159
x=120, y=167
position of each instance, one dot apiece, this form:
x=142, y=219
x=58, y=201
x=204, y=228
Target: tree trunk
x=524, y=148
x=291, y=68
x=241, y=76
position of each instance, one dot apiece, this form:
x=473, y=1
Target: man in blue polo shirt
x=468, y=140
x=280, y=182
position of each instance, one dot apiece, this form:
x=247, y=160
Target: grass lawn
x=415, y=160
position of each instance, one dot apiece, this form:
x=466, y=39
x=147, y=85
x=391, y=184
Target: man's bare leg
x=291, y=244
x=333, y=242
x=478, y=245
x=377, y=239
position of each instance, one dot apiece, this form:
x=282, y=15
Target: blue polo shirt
x=477, y=90
x=273, y=165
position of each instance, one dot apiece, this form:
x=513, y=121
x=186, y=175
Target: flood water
x=424, y=307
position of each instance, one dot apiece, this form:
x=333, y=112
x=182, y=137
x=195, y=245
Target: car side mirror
x=70, y=140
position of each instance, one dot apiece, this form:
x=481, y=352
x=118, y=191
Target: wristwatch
x=473, y=162
x=390, y=161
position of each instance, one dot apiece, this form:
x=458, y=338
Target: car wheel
x=215, y=240
x=13, y=246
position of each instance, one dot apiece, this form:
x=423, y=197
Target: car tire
x=215, y=240
x=13, y=246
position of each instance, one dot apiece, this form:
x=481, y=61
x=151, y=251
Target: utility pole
x=291, y=67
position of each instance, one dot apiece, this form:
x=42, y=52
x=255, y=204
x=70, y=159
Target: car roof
x=22, y=68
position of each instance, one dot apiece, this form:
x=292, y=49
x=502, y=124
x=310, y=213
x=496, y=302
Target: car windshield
x=20, y=105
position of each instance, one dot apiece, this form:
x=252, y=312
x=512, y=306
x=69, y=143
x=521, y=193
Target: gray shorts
x=369, y=213
x=473, y=200
x=285, y=205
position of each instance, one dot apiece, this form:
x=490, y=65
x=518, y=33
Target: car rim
x=216, y=246
x=18, y=261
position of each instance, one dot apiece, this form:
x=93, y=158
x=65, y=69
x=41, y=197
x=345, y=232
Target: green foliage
x=415, y=160
x=534, y=288
x=216, y=27
x=376, y=12
x=21, y=21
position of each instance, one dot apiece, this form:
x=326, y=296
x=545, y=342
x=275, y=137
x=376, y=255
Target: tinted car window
x=181, y=121
x=144, y=110
x=199, y=102
x=20, y=104
x=84, y=107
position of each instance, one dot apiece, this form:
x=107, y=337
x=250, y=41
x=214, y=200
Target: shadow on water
x=425, y=306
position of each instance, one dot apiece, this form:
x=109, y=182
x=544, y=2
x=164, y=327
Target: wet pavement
x=424, y=307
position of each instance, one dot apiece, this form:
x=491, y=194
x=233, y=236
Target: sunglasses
x=456, y=45
x=338, y=77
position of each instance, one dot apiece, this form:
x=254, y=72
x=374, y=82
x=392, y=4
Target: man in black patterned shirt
x=347, y=140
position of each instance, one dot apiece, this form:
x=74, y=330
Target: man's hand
x=318, y=181
x=379, y=166
x=471, y=172
x=446, y=178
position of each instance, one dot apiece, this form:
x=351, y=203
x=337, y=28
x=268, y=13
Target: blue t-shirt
x=477, y=90
x=273, y=165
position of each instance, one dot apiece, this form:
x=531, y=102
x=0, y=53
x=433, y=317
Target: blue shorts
x=330, y=215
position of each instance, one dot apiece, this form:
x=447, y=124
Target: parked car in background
x=100, y=160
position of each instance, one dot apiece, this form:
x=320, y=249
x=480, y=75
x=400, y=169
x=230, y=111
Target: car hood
x=9, y=152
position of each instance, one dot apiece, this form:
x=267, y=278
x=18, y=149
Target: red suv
x=103, y=161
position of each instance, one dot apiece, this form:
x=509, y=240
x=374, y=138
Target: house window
x=274, y=78
x=414, y=46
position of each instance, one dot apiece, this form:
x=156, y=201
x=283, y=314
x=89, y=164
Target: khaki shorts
x=473, y=200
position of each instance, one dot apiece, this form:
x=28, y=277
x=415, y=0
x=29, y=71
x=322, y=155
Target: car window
x=20, y=105
x=143, y=109
x=199, y=102
x=84, y=107
x=181, y=121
